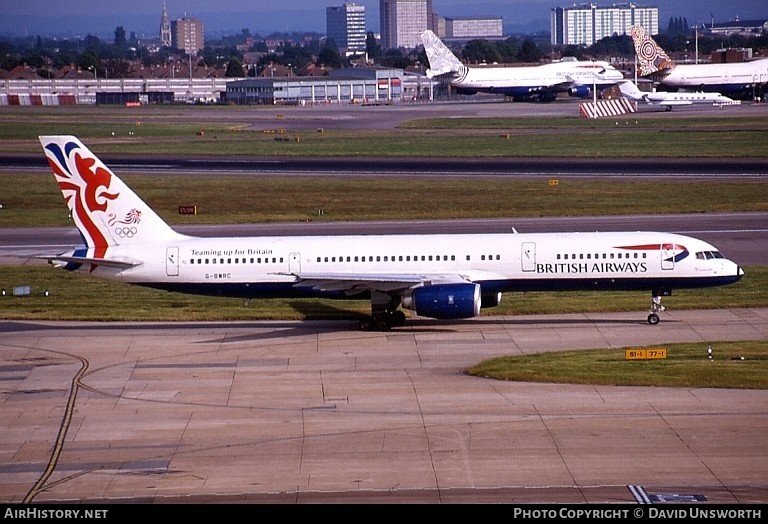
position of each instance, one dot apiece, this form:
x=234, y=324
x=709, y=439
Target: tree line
x=113, y=59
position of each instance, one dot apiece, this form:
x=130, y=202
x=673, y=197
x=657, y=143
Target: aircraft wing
x=353, y=284
x=563, y=85
x=570, y=81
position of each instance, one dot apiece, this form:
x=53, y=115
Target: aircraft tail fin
x=105, y=210
x=630, y=90
x=650, y=56
x=441, y=60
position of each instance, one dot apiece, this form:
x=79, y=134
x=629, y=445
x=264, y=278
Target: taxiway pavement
x=318, y=412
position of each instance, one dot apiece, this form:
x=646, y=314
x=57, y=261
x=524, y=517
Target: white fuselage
x=723, y=78
x=683, y=98
x=521, y=81
x=274, y=266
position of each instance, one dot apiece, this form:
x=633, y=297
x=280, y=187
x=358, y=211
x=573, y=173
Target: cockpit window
x=708, y=255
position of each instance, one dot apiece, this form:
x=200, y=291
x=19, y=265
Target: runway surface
x=300, y=412
x=742, y=237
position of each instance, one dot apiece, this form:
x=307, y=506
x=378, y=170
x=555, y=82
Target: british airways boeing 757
x=541, y=82
x=441, y=276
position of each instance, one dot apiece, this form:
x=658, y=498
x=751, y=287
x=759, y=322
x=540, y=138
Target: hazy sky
x=100, y=17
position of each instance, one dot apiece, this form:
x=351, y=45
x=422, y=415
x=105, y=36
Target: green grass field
x=735, y=365
x=159, y=130
x=35, y=200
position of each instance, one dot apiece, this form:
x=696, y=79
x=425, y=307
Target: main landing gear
x=383, y=321
x=384, y=313
x=656, y=307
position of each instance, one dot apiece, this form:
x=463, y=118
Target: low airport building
x=342, y=86
x=350, y=85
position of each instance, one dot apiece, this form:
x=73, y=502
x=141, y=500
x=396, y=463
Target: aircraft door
x=668, y=256
x=172, y=261
x=294, y=263
x=528, y=256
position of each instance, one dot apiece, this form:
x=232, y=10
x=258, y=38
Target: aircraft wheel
x=653, y=319
x=398, y=318
x=366, y=324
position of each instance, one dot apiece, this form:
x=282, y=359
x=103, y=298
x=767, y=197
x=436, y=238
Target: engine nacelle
x=445, y=301
x=580, y=91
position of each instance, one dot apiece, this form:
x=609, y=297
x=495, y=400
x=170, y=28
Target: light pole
x=594, y=87
x=96, y=79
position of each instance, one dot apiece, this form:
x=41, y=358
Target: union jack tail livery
x=107, y=213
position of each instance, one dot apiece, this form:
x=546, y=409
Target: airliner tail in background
x=651, y=58
x=446, y=276
x=441, y=60
x=740, y=80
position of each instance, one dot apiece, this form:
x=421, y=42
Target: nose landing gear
x=656, y=307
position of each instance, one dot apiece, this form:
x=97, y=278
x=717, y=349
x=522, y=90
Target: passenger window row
x=203, y=261
x=401, y=258
x=600, y=256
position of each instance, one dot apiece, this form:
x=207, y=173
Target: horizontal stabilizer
x=121, y=263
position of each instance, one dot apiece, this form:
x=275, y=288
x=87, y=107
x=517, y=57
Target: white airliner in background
x=666, y=99
x=437, y=276
x=542, y=82
x=736, y=79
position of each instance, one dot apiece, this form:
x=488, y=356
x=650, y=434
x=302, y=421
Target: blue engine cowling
x=445, y=301
x=580, y=91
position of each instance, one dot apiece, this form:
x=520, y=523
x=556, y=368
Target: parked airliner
x=542, y=82
x=445, y=276
x=742, y=79
x=665, y=99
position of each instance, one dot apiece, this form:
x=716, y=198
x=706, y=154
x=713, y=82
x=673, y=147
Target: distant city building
x=165, y=29
x=587, y=23
x=402, y=21
x=187, y=34
x=745, y=28
x=471, y=28
x=345, y=25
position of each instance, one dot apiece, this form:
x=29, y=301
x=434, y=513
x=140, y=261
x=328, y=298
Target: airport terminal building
x=351, y=85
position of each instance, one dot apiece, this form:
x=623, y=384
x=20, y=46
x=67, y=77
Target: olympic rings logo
x=125, y=232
